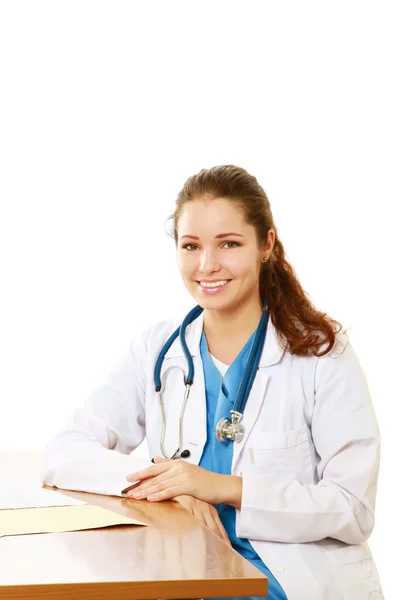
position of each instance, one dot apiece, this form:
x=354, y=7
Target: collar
x=271, y=354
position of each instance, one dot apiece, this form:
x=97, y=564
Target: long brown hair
x=300, y=326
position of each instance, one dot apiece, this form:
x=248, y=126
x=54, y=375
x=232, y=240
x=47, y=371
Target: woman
x=294, y=490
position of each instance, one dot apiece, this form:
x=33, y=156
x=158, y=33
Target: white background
x=106, y=109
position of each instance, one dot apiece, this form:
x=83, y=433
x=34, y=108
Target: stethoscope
x=226, y=429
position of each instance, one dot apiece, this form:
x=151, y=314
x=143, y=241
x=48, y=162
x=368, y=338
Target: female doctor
x=257, y=413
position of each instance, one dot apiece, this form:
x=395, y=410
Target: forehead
x=211, y=217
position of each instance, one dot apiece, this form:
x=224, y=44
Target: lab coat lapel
x=272, y=353
x=195, y=421
x=251, y=412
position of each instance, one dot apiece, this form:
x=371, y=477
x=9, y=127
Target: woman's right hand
x=205, y=513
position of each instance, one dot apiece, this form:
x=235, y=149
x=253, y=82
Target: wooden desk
x=174, y=557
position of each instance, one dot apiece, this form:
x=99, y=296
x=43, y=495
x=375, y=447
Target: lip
x=212, y=291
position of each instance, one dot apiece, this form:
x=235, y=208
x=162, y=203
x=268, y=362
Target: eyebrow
x=217, y=237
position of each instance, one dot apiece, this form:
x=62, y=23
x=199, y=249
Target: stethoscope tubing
x=246, y=382
x=191, y=316
x=252, y=363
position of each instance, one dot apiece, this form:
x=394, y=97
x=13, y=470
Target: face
x=218, y=255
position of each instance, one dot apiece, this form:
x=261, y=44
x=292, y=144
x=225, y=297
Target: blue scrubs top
x=217, y=457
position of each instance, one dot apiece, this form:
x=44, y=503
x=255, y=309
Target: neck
x=242, y=320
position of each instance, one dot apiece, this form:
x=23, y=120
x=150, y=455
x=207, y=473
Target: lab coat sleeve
x=93, y=454
x=346, y=438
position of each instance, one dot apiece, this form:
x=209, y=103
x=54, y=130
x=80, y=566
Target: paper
x=35, y=497
x=56, y=519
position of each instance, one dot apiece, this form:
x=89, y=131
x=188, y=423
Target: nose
x=209, y=262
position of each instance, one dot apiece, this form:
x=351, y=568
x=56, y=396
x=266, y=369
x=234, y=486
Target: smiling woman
x=247, y=263
x=220, y=264
x=281, y=444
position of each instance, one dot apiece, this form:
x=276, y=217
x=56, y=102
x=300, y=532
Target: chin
x=214, y=303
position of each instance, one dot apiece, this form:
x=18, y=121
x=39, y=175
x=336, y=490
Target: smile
x=213, y=287
x=213, y=284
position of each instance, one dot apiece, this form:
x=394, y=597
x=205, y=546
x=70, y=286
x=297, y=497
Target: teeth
x=214, y=284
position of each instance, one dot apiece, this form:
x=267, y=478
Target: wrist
x=231, y=490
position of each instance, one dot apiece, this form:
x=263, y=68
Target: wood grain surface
x=174, y=557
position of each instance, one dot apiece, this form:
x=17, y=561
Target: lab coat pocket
x=280, y=453
x=354, y=569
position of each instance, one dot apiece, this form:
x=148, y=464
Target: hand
x=205, y=513
x=170, y=478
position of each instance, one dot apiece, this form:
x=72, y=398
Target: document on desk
x=35, y=497
x=57, y=519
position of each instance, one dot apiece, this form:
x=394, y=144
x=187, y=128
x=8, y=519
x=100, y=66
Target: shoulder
x=340, y=366
x=340, y=346
x=156, y=334
x=339, y=363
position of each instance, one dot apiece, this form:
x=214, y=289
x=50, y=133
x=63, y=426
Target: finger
x=221, y=528
x=144, y=488
x=185, y=501
x=166, y=494
x=140, y=490
x=167, y=487
x=214, y=524
x=155, y=484
x=202, y=518
x=214, y=516
x=150, y=471
x=158, y=460
x=130, y=487
x=209, y=522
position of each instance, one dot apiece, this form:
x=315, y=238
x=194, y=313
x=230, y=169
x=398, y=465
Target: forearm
x=279, y=510
x=86, y=465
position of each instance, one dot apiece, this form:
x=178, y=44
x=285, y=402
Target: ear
x=269, y=244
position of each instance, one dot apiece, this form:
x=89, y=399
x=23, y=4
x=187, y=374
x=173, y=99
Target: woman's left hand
x=171, y=478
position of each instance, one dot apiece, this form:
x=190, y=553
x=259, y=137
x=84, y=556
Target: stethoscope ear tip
x=183, y=454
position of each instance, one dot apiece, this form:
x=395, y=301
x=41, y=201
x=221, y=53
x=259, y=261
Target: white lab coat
x=309, y=458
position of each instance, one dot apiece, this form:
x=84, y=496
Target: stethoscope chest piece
x=230, y=430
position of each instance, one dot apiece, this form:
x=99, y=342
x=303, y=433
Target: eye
x=231, y=244
x=189, y=247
